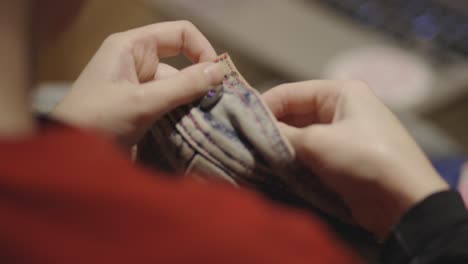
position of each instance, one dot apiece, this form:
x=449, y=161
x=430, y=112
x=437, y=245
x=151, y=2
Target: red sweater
x=71, y=197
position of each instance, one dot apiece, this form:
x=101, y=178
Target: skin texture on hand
x=124, y=89
x=347, y=137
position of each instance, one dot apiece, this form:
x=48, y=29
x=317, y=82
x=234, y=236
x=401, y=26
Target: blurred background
x=413, y=53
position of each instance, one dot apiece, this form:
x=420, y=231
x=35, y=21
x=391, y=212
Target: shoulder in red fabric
x=67, y=196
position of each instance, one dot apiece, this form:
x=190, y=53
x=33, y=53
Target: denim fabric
x=238, y=142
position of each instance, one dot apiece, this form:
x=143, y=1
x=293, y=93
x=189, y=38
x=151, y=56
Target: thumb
x=164, y=71
x=183, y=87
x=311, y=140
x=293, y=134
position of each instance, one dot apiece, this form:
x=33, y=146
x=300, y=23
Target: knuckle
x=117, y=42
x=113, y=38
x=358, y=85
x=186, y=24
x=281, y=90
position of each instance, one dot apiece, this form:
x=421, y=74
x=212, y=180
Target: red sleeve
x=66, y=197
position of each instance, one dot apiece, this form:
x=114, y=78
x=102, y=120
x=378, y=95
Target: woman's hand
x=344, y=134
x=125, y=89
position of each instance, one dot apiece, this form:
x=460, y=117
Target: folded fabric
x=230, y=135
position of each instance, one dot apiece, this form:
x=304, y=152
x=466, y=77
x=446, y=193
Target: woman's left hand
x=125, y=89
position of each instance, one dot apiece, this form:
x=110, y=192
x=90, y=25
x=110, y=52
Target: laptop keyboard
x=425, y=23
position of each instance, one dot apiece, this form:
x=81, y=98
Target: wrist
x=405, y=191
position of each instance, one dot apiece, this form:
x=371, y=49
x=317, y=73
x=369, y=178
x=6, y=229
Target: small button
x=211, y=98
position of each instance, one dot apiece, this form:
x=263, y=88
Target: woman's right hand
x=124, y=89
x=357, y=147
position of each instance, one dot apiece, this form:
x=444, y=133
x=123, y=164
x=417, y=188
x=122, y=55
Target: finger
x=296, y=136
x=299, y=120
x=172, y=38
x=184, y=87
x=292, y=133
x=308, y=142
x=315, y=98
x=164, y=71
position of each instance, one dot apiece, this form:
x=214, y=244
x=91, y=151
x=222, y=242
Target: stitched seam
x=211, y=140
x=173, y=123
x=267, y=182
x=234, y=175
x=196, y=152
x=229, y=155
x=233, y=135
x=180, y=116
x=284, y=149
x=232, y=87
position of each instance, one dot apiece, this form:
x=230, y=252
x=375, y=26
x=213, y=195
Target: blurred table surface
x=69, y=53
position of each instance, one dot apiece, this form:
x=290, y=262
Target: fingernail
x=214, y=73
